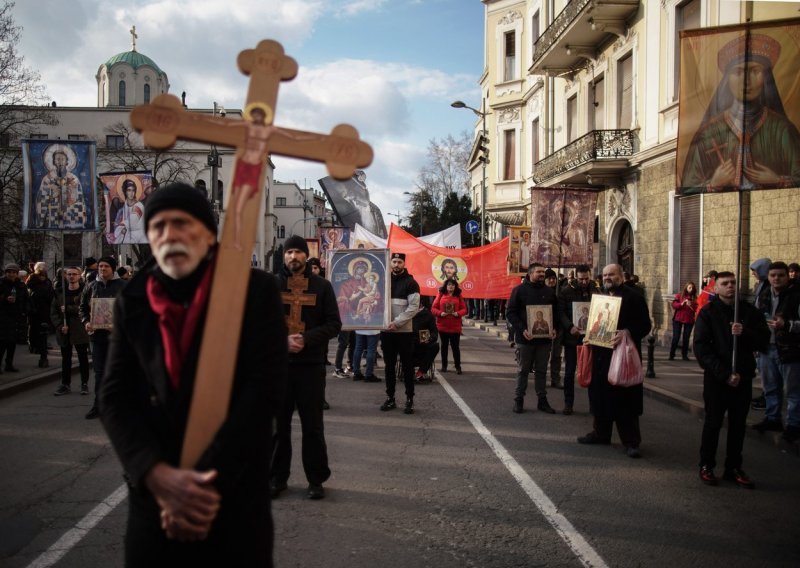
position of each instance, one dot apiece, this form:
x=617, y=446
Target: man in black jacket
x=310, y=330
x=533, y=353
x=218, y=512
x=107, y=284
x=609, y=403
x=426, y=340
x=578, y=290
x=726, y=389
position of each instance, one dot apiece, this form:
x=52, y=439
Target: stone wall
x=652, y=241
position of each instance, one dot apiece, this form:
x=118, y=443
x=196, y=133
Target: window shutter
x=625, y=99
x=572, y=118
x=509, y=160
x=599, y=110
x=690, y=240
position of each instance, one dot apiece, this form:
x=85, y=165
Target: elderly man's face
x=612, y=276
x=179, y=241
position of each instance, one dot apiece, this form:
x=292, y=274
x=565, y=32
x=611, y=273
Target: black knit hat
x=184, y=198
x=296, y=242
x=550, y=273
x=400, y=255
x=110, y=260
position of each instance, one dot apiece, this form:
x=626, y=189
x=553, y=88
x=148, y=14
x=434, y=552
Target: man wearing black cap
x=107, y=284
x=398, y=339
x=218, y=512
x=311, y=327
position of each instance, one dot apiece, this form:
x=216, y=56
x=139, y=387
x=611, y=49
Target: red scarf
x=176, y=322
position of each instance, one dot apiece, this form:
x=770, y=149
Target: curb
x=31, y=381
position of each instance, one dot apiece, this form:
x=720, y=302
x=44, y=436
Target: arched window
x=146, y=94
x=282, y=232
x=122, y=93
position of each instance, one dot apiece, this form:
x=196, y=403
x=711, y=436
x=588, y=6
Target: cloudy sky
x=389, y=67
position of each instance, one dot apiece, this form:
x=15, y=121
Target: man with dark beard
x=611, y=404
x=398, y=339
x=317, y=323
x=216, y=513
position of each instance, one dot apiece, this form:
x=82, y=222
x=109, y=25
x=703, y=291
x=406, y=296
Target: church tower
x=129, y=78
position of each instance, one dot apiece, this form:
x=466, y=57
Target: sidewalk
x=30, y=374
x=679, y=383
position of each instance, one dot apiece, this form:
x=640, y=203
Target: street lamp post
x=484, y=158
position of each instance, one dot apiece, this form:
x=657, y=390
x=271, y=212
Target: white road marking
x=587, y=555
x=81, y=529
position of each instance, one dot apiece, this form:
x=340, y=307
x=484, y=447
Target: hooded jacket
x=405, y=301
x=761, y=268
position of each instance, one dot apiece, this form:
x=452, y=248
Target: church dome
x=134, y=59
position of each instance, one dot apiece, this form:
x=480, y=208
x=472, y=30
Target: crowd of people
x=145, y=368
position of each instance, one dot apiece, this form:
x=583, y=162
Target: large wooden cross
x=296, y=299
x=164, y=121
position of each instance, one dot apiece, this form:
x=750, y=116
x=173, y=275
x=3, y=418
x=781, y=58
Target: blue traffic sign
x=473, y=227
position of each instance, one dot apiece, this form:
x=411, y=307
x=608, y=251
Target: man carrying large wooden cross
x=198, y=359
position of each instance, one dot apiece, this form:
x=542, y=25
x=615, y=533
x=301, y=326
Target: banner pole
x=738, y=282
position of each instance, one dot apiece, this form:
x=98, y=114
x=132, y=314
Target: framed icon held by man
x=603, y=318
x=540, y=321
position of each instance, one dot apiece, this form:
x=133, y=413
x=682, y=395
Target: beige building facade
x=585, y=93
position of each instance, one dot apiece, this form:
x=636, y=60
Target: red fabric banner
x=481, y=271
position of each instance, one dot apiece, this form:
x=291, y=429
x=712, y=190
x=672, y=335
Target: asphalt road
x=462, y=482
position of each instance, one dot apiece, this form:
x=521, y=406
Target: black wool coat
x=145, y=418
x=11, y=312
x=606, y=400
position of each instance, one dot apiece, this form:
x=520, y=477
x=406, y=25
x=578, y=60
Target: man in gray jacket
x=398, y=338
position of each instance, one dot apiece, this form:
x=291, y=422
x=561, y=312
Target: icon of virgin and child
x=359, y=296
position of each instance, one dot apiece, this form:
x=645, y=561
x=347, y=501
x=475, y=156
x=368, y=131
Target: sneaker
x=593, y=438
x=738, y=476
x=62, y=390
x=768, y=425
x=372, y=379
x=419, y=376
x=759, y=403
x=517, y=406
x=340, y=374
x=84, y=388
x=93, y=413
x=567, y=411
x=348, y=370
x=458, y=370
x=315, y=491
x=409, y=408
x=358, y=376
x=544, y=406
x=389, y=404
x=707, y=475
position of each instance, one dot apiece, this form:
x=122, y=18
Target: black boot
x=409, y=409
x=517, y=406
x=544, y=406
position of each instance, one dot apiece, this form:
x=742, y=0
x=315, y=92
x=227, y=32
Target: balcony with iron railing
x=578, y=32
x=598, y=153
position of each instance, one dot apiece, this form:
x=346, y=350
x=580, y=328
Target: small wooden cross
x=296, y=299
x=164, y=121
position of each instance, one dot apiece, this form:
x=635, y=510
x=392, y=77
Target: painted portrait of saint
x=745, y=140
x=444, y=267
x=359, y=280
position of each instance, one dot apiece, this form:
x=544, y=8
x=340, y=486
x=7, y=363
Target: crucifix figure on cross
x=164, y=121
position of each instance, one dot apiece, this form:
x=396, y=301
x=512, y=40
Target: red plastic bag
x=626, y=366
x=584, y=365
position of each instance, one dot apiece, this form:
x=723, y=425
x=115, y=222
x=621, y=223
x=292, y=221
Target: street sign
x=472, y=227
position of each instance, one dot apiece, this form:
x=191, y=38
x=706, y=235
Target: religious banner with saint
x=519, y=250
x=360, y=238
x=162, y=123
x=332, y=239
x=126, y=195
x=562, y=226
x=59, y=181
x=362, y=284
x=739, y=108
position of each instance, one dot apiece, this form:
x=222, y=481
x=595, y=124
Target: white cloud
x=356, y=7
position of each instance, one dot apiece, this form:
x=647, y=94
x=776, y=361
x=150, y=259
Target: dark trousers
x=532, y=357
x=66, y=363
x=453, y=340
x=555, y=360
x=719, y=398
x=424, y=354
x=570, y=366
x=8, y=348
x=347, y=342
x=37, y=336
x=676, y=334
x=306, y=392
x=99, y=353
x=398, y=345
x=627, y=428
